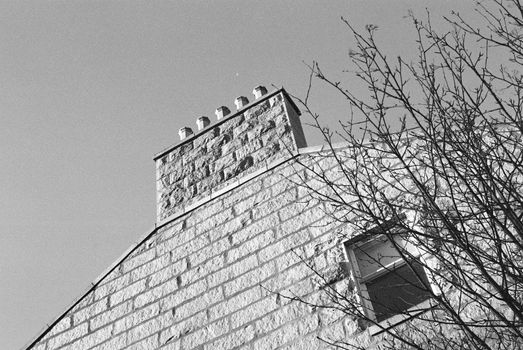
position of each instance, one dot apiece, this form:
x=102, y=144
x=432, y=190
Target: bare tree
x=430, y=182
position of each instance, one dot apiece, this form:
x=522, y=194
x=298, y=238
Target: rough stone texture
x=219, y=277
x=223, y=275
x=241, y=144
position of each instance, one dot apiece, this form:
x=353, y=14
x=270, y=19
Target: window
x=389, y=285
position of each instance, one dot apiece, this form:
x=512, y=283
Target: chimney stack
x=238, y=144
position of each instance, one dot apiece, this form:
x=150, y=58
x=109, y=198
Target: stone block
x=150, y=267
x=111, y=315
x=261, y=128
x=90, y=340
x=239, y=194
x=308, y=324
x=256, y=228
x=135, y=318
x=232, y=271
x=241, y=166
x=179, y=329
x=223, y=162
x=253, y=312
x=284, y=246
x=258, y=110
x=205, y=138
x=248, y=148
x=230, y=227
x=127, y=293
x=180, y=171
x=179, y=151
x=232, y=340
x=277, y=338
x=334, y=334
x=62, y=325
x=148, y=343
x=235, y=303
x=116, y=342
x=210, y=209
x=199, y=174
x=205, y=334
x=242, y=129
x=288, y=259
x=300, y=222
x=203, y=189
x=236, y=143
x=198, y=304
x=186, y=249
x=204, y=269
x=217, y=329
x=184, y=294
x=207, y=159
x=250, y=279
x=143, y=330
x=90, y=311
x=275, y=203
x=106, y=288
x=156, y=293
x=138, y=260
x=306, y=343
x=276, y=100
x=215, y=220
x=172, y=345
x=68, y=336
x=181, y=238
x=194, y=339
x=302, y=289
x=266, y=152
x=167, y=231
x=171, y=271
x=288, y=277
x=232, y=124
x=189, y=157
x=163, y=184
x=251, y=246
x=209, y=252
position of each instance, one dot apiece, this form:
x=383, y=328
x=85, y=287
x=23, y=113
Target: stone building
x=231, y=251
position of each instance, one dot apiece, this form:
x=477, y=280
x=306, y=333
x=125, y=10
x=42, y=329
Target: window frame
x=349, y=248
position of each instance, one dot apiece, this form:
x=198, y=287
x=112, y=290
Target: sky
x=90, y=91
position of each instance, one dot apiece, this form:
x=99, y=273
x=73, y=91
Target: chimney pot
x=240, y=102
x=184, y=133
x=221, y=112
x=202, y=122
x=259, y=91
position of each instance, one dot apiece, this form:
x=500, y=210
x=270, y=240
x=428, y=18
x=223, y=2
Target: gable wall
x=218, y=278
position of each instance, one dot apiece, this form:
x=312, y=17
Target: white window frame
x=361, y=283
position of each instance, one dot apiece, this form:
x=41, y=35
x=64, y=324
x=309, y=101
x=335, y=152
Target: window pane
x=374, y=255
x=397, y=291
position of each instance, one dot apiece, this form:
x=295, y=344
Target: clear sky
x=90, y=91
